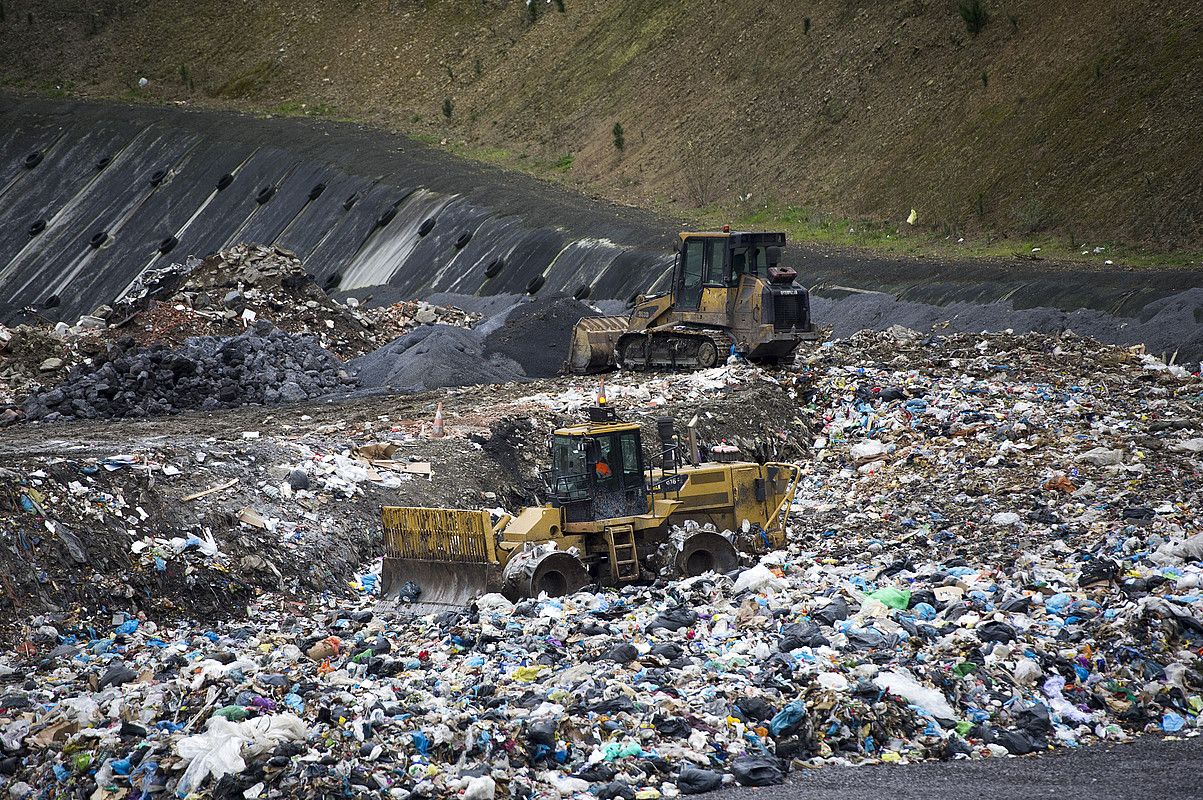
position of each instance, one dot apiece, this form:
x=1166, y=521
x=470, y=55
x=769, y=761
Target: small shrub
x=619, y=140
x=1014, y=20
x=448, y=107
x=184, y=74
x=565, y=162
x=806, y=26
x=975, y=15
x=477, y=67
x=985, y=79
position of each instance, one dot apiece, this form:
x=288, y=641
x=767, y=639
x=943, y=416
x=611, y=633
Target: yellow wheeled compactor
x=610, y=520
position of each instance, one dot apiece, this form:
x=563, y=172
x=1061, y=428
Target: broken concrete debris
x=1019, y=571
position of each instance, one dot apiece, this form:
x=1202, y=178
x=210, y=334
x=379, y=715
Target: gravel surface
x=1150, y=767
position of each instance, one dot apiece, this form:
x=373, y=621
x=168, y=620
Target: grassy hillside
x=1073, y=124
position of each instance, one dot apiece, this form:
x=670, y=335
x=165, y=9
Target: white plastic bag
x=219, y=750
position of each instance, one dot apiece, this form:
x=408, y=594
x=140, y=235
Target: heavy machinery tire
x=157, y=177
x=98, y=238
x=705, y=551
x=555, y=574
x=350, y=201
x=582, y=292
x=316, y=191
x=386, y=217
x=426, y=227
x=495, y=267
x=37, y=226
x=265, y=194
x=463, y=240
x=707, y=354
x=104, y=163
x=167, y=245
x=33, y=159
x=536, y=283
x=224, y=181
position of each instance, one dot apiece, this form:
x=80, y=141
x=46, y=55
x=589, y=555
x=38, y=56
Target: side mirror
x=592, y=452
x=773, y=255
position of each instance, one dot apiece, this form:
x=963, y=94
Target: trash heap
x=996, y=550
x=262, y=366
x=223, y=295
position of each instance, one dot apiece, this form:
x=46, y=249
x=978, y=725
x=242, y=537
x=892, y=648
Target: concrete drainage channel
x=94, y=193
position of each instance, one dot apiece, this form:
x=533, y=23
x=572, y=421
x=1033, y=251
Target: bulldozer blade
x=593, y=340
x=440, y=585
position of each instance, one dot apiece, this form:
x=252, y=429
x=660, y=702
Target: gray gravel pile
x=433, y=356
x=519, y=341
x=262, y=366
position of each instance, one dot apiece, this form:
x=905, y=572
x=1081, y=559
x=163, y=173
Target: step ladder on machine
x=624, y=558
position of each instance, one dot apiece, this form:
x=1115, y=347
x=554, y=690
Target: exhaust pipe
x=666, y=430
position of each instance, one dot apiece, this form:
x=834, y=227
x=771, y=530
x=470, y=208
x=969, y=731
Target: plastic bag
x=218, y=751
x=757, y=579
x=698, y=781
x=903, y=684
x=752, y=770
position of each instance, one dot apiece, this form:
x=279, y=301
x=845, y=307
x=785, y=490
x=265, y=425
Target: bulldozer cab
x=597, y=470
x=719, y=261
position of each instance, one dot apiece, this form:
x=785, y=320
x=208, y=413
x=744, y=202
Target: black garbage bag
x=673, y=727
x=542, y=731
x=955, y=746
x=622, y=653
x=804, y=633
x=1017, y=743
x=924, y=596
x=750, y=770
x=831, y=613
x=1016, y=605
x=1102, y=570
x=1034, y=720
x=409, y=592
x=698, y=781
x=995, y=631
x=674, y=619
x=616, y=790
x=754, y=709
x=668, y=650
x=865, y=638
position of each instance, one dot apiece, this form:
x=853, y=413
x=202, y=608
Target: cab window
x=715, y=251
x=630, y=456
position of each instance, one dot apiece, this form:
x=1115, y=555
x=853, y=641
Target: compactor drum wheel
x=555, y=574
x=705, y=551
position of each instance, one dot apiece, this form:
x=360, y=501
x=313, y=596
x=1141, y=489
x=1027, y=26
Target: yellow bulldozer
x=611, y=519
x=728, y=293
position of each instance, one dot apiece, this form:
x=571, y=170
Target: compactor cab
x=597, y=469
x=728, y=292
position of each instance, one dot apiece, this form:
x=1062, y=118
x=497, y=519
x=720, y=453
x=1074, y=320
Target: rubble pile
x=228, y=291
x=262, y=366
x=995, y=551
x=223, y=295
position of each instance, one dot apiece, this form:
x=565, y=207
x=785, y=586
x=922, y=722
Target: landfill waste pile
x=262, y=366
x=223, y=295
x=995, y=550
x=1171, y=326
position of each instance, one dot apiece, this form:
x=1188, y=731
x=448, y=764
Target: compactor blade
x=437, y=558
x=439, y=585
